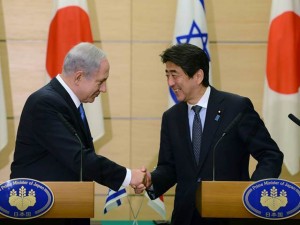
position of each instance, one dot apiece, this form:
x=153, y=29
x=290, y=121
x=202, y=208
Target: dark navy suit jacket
x=176, y=163
x=47, y=150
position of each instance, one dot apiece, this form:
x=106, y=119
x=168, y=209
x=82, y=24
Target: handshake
x=140, y=180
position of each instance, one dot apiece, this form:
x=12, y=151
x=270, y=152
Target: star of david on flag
x=195, y=32
x=190, y=27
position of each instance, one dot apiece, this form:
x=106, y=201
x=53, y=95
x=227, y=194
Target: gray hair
x=83, y=56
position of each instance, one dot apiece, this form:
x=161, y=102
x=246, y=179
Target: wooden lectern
x=223, y=199
x=71, y=200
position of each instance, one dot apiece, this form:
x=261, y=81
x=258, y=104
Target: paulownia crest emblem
x=21, y=200
x=272, y=200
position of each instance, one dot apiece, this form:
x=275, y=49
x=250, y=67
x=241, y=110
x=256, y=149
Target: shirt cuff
x=151, y=193
x=127, y=179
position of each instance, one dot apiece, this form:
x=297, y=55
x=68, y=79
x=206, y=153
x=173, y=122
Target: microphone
x=227, y=129
x=73, y=131
x=294, y=119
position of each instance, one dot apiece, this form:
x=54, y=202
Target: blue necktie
x=83, y=117
x=197, y=132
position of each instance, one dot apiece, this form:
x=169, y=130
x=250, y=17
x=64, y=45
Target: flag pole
x=135, y=222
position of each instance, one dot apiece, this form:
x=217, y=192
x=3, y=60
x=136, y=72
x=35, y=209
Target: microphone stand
x=294, y=119
x=214, y=150
x=228, y=128
x=81, y=157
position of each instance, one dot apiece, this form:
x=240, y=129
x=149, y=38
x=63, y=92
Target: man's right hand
x=146, y=182
x=138, y=178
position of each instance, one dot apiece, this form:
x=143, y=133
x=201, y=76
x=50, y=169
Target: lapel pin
x=218, y=116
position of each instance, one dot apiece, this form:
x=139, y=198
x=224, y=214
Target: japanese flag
x=281, y=95
x=70, y=25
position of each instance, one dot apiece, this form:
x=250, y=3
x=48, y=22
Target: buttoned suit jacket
x=230, y=157
x=49, y=148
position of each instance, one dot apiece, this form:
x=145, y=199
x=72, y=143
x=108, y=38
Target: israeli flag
x=190, y=27
x=113, y=199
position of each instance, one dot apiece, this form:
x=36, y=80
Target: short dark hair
x=190, y=58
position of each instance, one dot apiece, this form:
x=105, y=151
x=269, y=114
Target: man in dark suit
x=187, y=72
x=53, y=133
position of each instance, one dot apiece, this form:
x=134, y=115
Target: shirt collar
x=203, y=102
x=70, y=92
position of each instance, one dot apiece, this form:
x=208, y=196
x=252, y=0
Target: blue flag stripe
x=115, y=195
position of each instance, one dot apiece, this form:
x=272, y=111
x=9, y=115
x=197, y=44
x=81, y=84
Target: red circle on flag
x=283, y=57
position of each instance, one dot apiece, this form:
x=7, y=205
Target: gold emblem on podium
x=272, y=200
x=21, y=200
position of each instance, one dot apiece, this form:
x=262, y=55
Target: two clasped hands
x=140, y=180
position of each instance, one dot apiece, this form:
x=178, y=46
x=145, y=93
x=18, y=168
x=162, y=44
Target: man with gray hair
x=47, y=148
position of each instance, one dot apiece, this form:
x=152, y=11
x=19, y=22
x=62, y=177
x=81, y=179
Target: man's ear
x=199, y=76
x=78, y=76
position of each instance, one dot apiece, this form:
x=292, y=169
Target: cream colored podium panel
x=223, y=199
x=71, y=200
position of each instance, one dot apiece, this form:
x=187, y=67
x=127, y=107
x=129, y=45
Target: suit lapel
x=65, y=95
x=212, y=121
